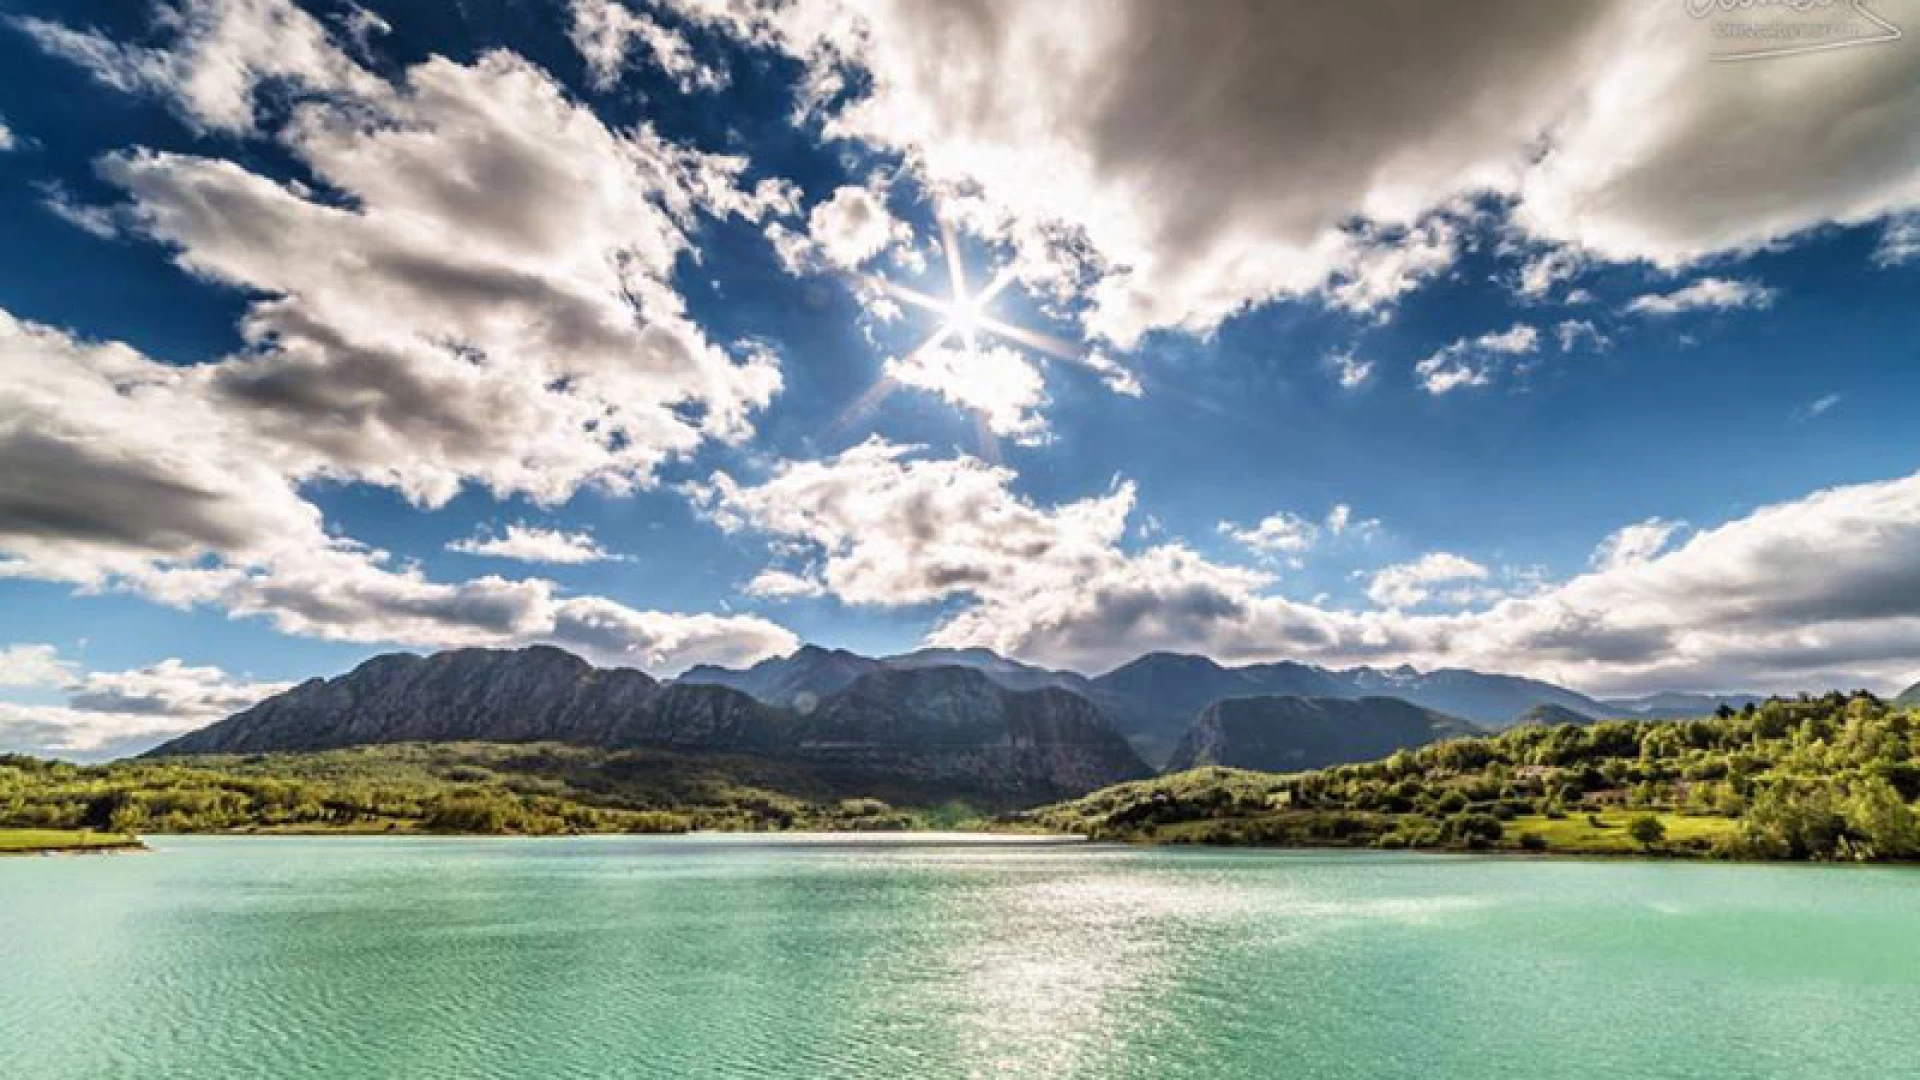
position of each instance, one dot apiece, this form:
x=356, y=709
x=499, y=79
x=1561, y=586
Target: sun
x=965, y=319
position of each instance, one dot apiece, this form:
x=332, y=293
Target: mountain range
x=938, y=722
x=1154, y=698
x=952, y=727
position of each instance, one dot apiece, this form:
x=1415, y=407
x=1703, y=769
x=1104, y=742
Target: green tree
x=1646, y=830
x=1877, y=813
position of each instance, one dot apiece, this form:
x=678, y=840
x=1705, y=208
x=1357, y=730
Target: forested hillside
x=1825, y=778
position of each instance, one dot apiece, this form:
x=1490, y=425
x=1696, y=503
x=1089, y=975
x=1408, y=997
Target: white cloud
x=1540, y=273
x=1412, y=584
x=1812, y=592
x=1476, y=361
x=1672, y=157
x=604, y=31
x=1576, y=333
x=1000, y=384
x=97, y=221
x=1276, y=534
x=128, y=474
x=1818, y=407
x=1899, y=242
x=784, y=585
x=108, y=713
x=58, y=731
x=1115, y=376
x=33, y=665
x=1707, y=294
x=7, y=138
x=1349, y=370
x=1285, y=536
x=844, y=231
x=219, y=54
x=1173, y=201
x=1384, y=265
x=1340, y=518
x=416, y=330
x=528, y=543
x=169, y=688
x=1634, y=544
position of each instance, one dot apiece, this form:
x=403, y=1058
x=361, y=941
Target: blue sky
x=1506, y=348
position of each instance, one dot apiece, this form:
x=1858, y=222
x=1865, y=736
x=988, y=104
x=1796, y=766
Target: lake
x=928, y=957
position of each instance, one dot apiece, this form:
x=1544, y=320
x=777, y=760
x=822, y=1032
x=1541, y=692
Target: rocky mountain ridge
x=950, y=725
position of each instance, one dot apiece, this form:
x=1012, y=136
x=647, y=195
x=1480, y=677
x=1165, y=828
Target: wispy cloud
x=527, y=543
x=1707, y=294
x=1475, y=361
x=1817, y=408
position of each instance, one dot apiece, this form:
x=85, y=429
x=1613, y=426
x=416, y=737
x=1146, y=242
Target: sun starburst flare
x=993, y=384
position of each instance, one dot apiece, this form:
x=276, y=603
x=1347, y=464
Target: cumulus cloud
x=999, y=384
x=527, y=543
x=7, y=139
x=1825, y=589
x=1546, y=269
x=606, y=31
x=218, y=56
x=108, y=713
x=1709, y=294
x=1634, y=544
x=169, y=688
x=33, y=665
x=417, y=329
x=1475, y=361
x=1276, y=534
x=1412, y=584
x=523, y=334
x=124, y=473
x=784, y=585
x=844, y=231
x=1188, y=174
x=1287, y=537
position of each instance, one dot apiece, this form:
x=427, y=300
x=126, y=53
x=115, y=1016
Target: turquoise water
x=834, y=957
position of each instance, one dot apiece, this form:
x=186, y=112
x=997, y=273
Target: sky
x=1570, y=342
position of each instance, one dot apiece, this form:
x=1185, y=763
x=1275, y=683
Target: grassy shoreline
x=66, y=842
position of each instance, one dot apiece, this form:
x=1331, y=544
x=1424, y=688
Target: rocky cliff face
x=1287, y=734
x=946, y=724
x=949, y=723
x=524, y=695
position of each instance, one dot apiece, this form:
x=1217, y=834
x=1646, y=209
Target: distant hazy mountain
x=801, y=679
x=1286, y=734
x=1909, y=696
x=812, y=672
x=1495, y=701
x=1153, y=699
x=954, y=727
x=1011, y=674
x=1670, y=705
x=1544, y=715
